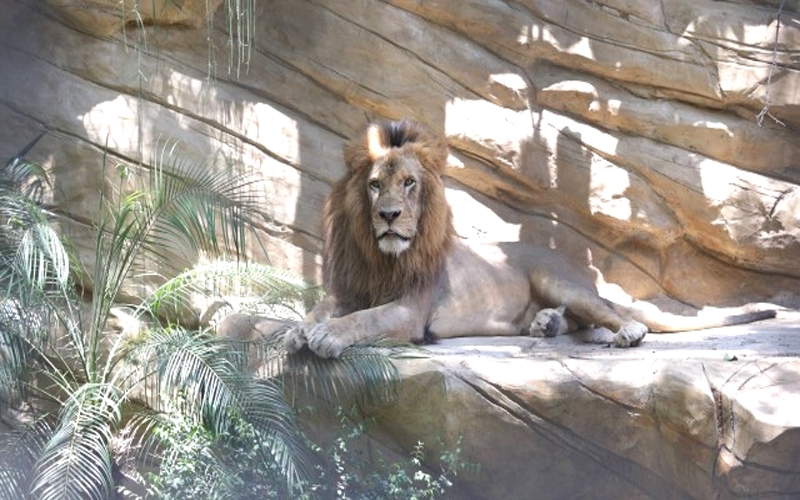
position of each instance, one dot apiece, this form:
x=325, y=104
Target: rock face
x=700, y=415
x=611, y=130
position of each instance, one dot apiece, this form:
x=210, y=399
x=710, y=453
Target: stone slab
x=708, y=414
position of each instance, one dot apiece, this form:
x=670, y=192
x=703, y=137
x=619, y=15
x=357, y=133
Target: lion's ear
x=366, y=149
x=357, y=152
x=432, y=153
x=375, y=144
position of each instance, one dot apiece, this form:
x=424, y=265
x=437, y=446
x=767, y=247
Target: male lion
x=393, y=266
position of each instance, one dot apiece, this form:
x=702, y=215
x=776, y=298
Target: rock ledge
x=710, y=414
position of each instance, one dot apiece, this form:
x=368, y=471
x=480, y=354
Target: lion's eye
x=375, y=184
x=410, y=182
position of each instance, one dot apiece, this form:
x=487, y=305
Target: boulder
x=705, y=414
x=692, y=415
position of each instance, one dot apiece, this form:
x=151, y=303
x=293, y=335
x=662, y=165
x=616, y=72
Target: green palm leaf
x=197, y=372
x=363, y=373
x=35, y=288
x=208, y=207
x=18, y=452
x=76, y=462
x=257, y=288
x=187, y=207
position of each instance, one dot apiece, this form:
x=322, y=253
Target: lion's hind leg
x=584, y=304
x=592, y=309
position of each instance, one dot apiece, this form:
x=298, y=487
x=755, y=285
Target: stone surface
x=708, y=414
x=616, y=129
x=104, y=18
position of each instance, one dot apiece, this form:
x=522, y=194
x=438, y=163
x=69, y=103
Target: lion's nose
x=389, y=215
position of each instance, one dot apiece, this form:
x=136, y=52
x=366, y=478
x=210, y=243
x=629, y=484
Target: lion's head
x=387, y=224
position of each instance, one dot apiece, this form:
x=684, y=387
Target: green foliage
x=364, y=373
x=61, y=366
x=235, y=286
x=209, y=385
x=78, y=390
x=345, y=473
x=76, y=461
x=34, y=274
x=198, y=464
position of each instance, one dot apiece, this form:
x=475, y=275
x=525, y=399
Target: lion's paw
x=630, y=335
x=548, y=323
x=295, y=338
x=535, y=332
x=325, y=342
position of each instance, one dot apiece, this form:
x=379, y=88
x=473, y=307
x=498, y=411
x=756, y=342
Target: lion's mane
x=354, y=269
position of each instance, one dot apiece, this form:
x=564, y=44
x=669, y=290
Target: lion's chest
x=480, y=295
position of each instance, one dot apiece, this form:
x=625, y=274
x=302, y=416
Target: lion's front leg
x=402, y=320
x=331, y=338
x=296, y=337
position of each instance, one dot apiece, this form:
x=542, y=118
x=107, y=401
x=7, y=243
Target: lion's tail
x=658, y=321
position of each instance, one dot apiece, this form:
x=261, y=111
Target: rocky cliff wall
x=620, y=131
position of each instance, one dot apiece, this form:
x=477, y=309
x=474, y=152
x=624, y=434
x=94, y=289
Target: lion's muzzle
x=393, y=243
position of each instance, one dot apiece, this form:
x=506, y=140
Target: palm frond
x=209, y=208
x=197, y=373
x=242, y=286
x=35, y=286
x=76, y=462
x=43, y=255
x=363, y=373
x=31, y=252
x=185, y=207
x=18, y=451
x=262, y=404
x=16, y=334
x=194, y=369
x=23, y=176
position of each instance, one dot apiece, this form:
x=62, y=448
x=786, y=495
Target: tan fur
x=392, y=266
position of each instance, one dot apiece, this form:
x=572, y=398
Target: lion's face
x=393, y=188
x=387, y=225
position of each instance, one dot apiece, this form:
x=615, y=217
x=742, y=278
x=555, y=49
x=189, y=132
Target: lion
x=394, y=267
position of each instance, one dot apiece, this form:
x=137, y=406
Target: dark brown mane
x=354, y=269
x=397, y=134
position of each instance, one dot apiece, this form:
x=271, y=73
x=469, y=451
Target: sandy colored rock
x=104, y=18
x=697, y=415
x=612, y=129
